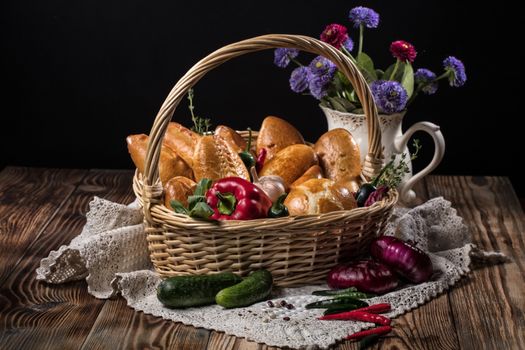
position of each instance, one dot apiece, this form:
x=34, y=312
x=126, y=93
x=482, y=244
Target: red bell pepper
x=234, y=198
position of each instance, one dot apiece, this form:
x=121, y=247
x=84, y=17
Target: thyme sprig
x=200, y=125
x=391, y=175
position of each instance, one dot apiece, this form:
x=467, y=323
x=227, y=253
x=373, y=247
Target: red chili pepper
x=234, y=198
x=372, y=309
x=261, y=158
x=378, y=330
x=376, y=308
x=359, y=316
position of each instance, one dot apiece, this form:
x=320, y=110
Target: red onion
x=408, y=261
x=366, y=275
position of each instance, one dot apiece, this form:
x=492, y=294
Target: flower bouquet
x=393, y=89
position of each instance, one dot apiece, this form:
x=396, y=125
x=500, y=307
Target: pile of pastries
x=318, y=178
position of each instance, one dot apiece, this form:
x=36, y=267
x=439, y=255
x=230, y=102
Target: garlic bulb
x=272, y=185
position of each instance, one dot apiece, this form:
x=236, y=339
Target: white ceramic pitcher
x=394, y=142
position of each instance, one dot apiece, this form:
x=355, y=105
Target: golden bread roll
x=314, y=172
x=317, y=196
x=215, y=158
x=352, y=184
x=232, y=137
x=339, y=155
x=276, y=134
x=170, y=163
x=290, y=163
x=178, y=188
x=182, y=140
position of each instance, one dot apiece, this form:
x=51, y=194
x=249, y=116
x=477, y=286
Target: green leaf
x=202, y=187
x=201, y=211
x=407, y=80
x=342, y=79
x=353, y=97
x=379, y=74
x=366, y=65
x=194, y=199
x=341, y=104
x=399, y=73
x=178, y=207
x=334, y=101
x=325, y=103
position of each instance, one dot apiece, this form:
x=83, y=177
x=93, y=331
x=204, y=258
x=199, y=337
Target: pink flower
x=403, y=51
x=335, y=35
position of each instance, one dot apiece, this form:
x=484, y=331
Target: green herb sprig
x=391, y=175
x=200, y=125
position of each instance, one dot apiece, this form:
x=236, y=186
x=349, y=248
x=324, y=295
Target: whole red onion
x=408, y=261
x=366, y=275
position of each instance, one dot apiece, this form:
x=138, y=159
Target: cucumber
x=187, y=291
x=256, y=287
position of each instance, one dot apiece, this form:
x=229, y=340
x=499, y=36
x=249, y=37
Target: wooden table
x=41, y=209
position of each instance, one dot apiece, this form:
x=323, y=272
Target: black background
x=81, y=75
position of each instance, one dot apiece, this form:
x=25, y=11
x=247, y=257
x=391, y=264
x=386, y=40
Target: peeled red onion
x=366, y=275
x=408, y=261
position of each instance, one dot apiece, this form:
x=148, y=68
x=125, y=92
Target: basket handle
x=374, y=159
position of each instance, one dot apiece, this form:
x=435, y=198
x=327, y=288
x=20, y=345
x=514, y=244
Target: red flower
x=403, y=51
x=335, y=35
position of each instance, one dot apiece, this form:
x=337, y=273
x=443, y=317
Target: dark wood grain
x=485, y=310
x=120, y=327
x=29, y=198
x=38, y=315
x=489, y=305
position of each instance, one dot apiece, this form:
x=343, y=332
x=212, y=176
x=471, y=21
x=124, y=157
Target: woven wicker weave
x=297, y=250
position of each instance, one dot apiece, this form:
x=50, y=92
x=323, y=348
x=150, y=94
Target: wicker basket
x=297, y=250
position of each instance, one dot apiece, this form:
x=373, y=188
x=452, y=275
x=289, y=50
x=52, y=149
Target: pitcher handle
x=406, y=194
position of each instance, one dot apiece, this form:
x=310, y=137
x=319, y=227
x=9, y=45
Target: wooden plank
x=37, y=315
x=120, y=327
x=29, y=198
x=489, y=306
x=221, y=341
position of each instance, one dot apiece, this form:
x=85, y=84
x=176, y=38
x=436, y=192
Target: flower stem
x=442, y=76
x=361, y=30
x=346, y=52
x=393, y=74
x=295, y=61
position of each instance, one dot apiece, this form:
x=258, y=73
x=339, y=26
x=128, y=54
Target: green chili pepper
x=246, y=156
x=336, y=303
x=357, y=295
x=278, y=209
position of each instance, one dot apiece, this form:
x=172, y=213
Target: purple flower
x=322, y=71
x=323, y=67
x=317, y=86
x=299, y=79
x=425, y=78
x=390, y=96
x=364, y=16
x=282, y=56
x=348, y=45
x=456, y=69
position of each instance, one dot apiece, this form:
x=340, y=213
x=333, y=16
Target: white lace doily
x=111, y=253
